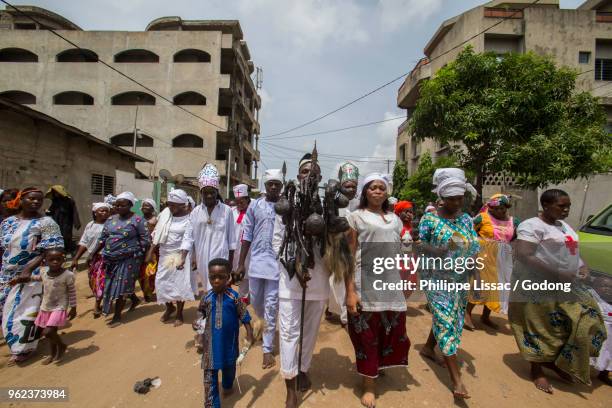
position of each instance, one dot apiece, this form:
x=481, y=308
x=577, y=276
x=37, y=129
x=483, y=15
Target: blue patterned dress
x=448, y=307
x=125, y=244
x=21, y=241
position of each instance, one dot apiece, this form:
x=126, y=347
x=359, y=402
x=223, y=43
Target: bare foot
x=468, y=324
x=61, y=349
x=51, y=357
x=292, y=399
x=540, y=381
x=303, y=381
x=604, y=378
x=178, y=322
x=488, y=322
x=368, y=399
x=166, y=316
x=135, y=302
x=460, y=392
x=268, y=361
x=430, y=354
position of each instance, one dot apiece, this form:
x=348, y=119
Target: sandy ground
x=102, y=365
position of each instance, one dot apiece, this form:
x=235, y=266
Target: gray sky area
x=316, y=56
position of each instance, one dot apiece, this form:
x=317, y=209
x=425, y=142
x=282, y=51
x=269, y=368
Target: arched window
x=73, y=98
x=136, y=56
x=17, y=55
x=133, y=98
x=190, y=98
x=127, y=140
x=21, y=97
x=188, y=140
x=192, y=55
x=77, y=55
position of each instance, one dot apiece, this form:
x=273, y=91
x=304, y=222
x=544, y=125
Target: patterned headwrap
x=348, y=172
x=110, y=199
x=15, y=204
x=209, y=176
x=499, y=199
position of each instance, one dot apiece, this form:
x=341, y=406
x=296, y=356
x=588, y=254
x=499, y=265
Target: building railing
x=493, y=12
x=408, y=81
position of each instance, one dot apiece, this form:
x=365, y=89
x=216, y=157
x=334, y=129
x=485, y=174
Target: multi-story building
x=202, y=66
x=579, y=38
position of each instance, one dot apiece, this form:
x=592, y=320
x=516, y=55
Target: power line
x=113, y=68
x=329, y=156
x=324, y=132
x=346, y=105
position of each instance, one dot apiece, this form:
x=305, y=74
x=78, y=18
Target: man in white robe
x=242, y=200
x=212, y=232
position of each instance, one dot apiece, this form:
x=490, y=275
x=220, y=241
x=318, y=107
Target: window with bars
x=603, y=69
x=102, y=185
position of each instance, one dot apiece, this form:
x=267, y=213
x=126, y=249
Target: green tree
x=417, y=187
x=518, y=114
x=400, y=176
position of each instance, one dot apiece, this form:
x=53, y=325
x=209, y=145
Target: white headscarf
x=110, y=199
x=450, y=182
x=178, y=196
x=191, y=202
x=393, y=200
x=97, y=206
x=126, y=195
x=376, y=177
x=149, y=201
x=273, y=175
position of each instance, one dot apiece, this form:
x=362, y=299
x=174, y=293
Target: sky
x=316, y=56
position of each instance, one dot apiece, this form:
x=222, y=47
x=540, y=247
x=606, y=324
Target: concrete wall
x=127, y=182
x=162, y=122
x=35, y=153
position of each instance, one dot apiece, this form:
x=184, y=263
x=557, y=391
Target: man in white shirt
x=290, y=306
x=242, y=200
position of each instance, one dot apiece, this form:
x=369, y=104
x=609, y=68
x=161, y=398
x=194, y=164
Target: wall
x=35, y=153
x=163, y=122
x=127, y=182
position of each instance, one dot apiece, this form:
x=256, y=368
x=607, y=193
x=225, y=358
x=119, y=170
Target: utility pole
x=258, y=84
x=229, y=172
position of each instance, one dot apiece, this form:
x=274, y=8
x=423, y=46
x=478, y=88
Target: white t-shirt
x=557, y=244
x=371, y=228
x=90, y=236
x=318, y=286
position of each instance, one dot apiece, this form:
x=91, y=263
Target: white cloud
x=385, y=146
x=399, y=13
x=309, y=24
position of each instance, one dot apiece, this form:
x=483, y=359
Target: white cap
x=241, y=190
x=273, y=175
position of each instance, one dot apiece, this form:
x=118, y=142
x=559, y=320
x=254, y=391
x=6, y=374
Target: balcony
x=492, y=12
x=409, y=91
x=403, y=127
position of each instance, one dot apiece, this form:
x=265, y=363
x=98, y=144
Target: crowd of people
x=188, y=252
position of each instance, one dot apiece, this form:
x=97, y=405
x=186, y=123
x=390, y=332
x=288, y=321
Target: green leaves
x=518, y=114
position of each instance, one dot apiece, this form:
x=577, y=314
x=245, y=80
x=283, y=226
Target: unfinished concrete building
x=579, y=38
x=203, y=66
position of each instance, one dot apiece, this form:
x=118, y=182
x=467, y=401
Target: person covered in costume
x=64, y=212
x=260, y=248
x=348, y=175
x=495, y=228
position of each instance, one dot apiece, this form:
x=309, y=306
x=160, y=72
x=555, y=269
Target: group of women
x=557, y=332
x=117, y=243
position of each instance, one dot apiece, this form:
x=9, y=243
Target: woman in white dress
x=173, y=278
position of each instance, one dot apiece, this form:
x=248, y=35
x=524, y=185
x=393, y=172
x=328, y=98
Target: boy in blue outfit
x=224, y=312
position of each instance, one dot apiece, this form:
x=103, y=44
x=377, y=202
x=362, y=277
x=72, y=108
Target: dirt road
x=102, y=365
